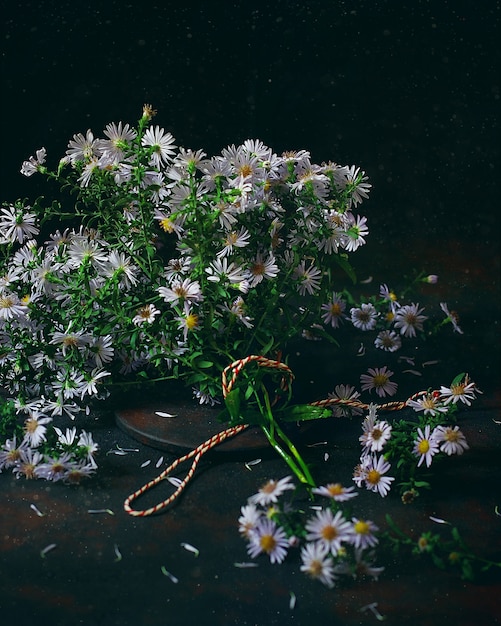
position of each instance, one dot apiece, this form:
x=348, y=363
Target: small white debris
x=326, y=456
x=47, y=549
x=245, y=565
x=117, y=452
x=407, y=359
x=162, y=414
x=117, y=553
x=33, y=507
x=160, y=461
x=249, y=464
x=373, y=608
x=177, y=482
x=292, y=601
x=98, y=511
x=169, y=575
x=361, y=350
x=190, y=548
x=366, y=281
x=316, y=507
x=316, y=445
x=146, y=463
x=439, y=521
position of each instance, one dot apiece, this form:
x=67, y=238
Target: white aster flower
x=362, y=535
x=248, y=520
x=11, y=307
x=452, y=317
x=463, y=391
x=35, y=429
x=388, y=340
x=335, y=491
x=355, y=234
x=184, y=291
x=17, y=224
x=451, y=440
x=329, y=529
x=375, y=438
x=317, y=563
x=82, y=148
x=373, y=471
x=378, y=378
x=145, y=315
x=334, y=310
x=364, y=317
x=425, y=446
x=268, y=538
x=261, y=268
x=308, y=278
x=409, y=319
x=234, y=239
x=344, y=392
x=271, y=491
x=33, y=164
x=430, y=404
x=162, y=144
x=28, y=464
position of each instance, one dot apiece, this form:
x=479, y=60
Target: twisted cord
x=229, y=377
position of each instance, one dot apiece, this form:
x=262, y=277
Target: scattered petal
x=161, y=414
x=250, y=463
x=190, y=548
x=169, y=575
x=117, y=452
x=361, y=350
x=245, y=565
x=315, y=445
x=366, y=281
x=496, y=421
x=146, y=463
x=292, y=601
x=373, y=608
x=496, y=511
x=37, y=510
x=118, y=553
x=430, y=363
x=160, y=461
x=97, y=511
x=439, y=521
x=414, y=372
x=47, y=549
x=407, y=359
x=177, y=482
x=326, y=456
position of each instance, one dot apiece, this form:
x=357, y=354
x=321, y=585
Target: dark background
x=407, y=90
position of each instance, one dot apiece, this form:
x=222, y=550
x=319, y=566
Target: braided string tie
x=196, y=454
x=235, y=368
x=227, y=384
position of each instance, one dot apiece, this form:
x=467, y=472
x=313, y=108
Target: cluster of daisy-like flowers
x=38, y=449
x=408, y=444
x=331, y=543
x=166, y=264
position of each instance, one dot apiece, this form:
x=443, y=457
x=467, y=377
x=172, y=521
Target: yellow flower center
x=380, y=380
x=329, y=533
x=451, y=435
x=373, y=477
x=166, y=225
x=191, y=321
x=335, y=489
x=267, y=543
x=423, y=446
x=361, y=527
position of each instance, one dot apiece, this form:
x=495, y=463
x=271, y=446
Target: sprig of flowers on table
x=156, y=262
x=413, y=443
x=332, y=542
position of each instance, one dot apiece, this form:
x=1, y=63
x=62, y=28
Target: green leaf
x=458, y=379
x=304, y=412
x=232, y=402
